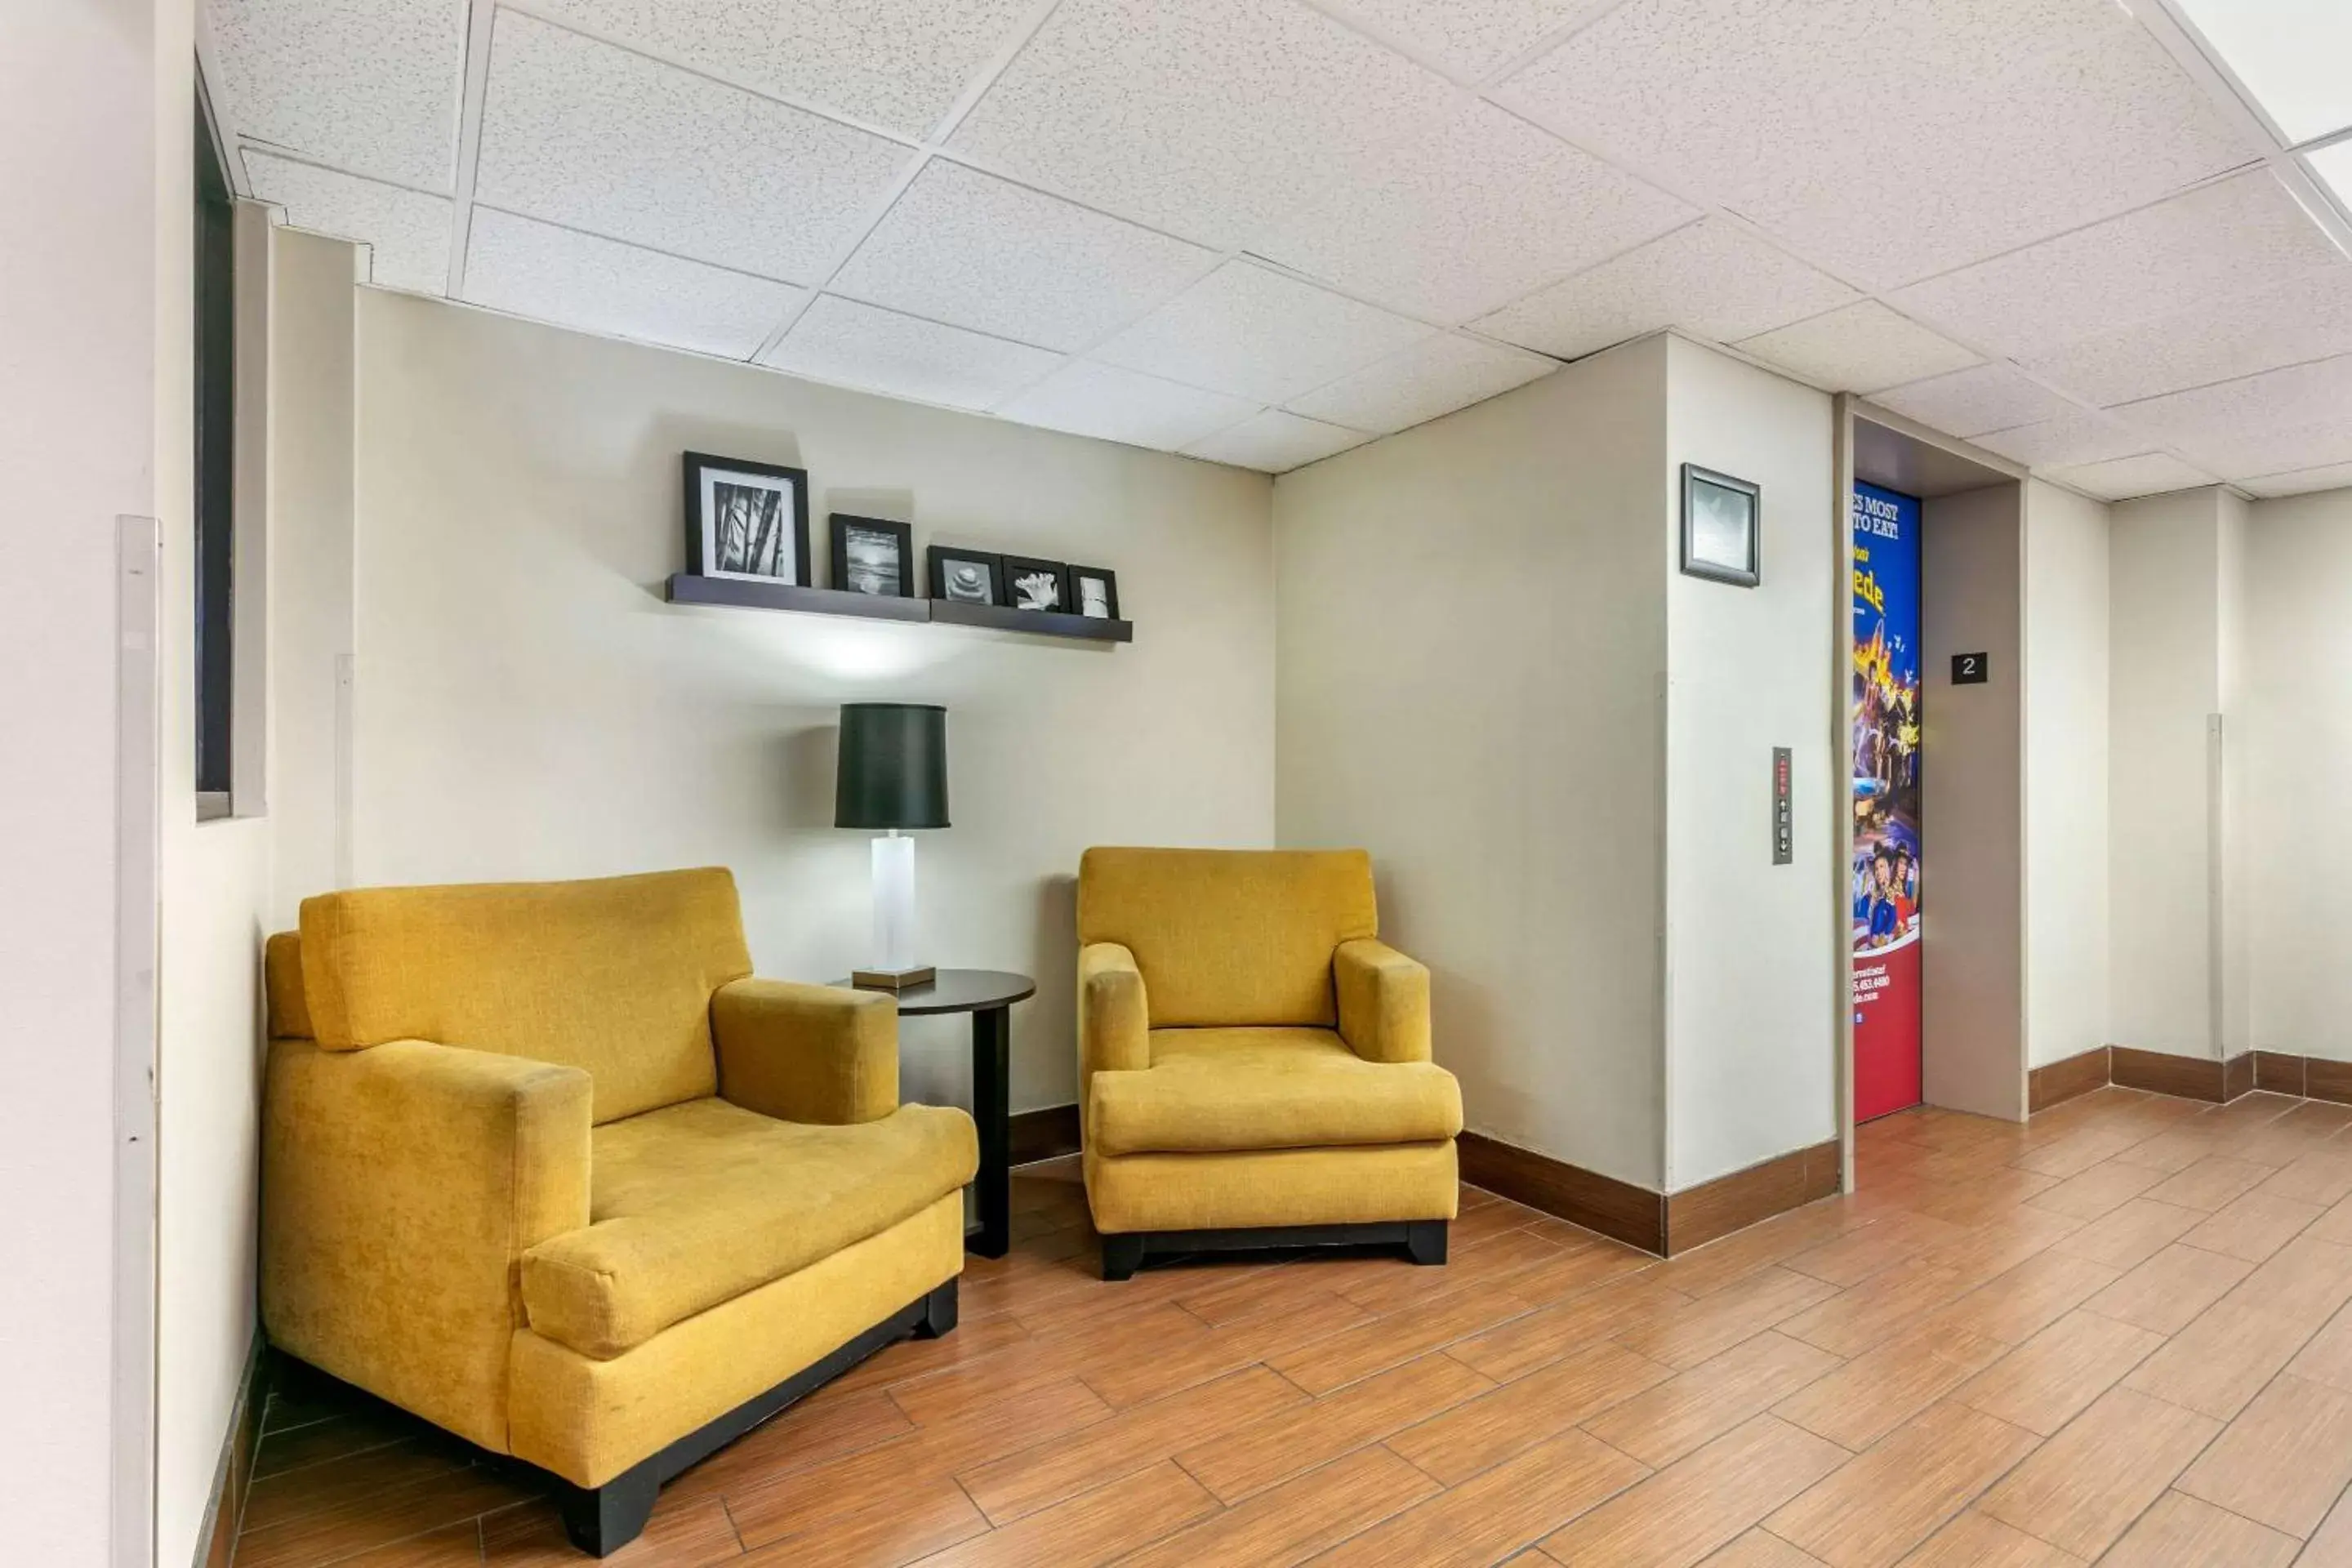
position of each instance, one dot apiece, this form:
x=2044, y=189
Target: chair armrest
x=1114, y=1019
x=819, y=1054
x=1383, y=1002
x=400, y=1187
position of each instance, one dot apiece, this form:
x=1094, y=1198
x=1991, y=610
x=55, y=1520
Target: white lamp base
x=894, y=967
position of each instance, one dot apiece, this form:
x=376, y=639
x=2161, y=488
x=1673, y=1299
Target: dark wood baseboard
x=1045, y=1134
x=2183, y=1078
x=234, y=1476
x=2237, y=1076
x=2326, y=1079
x=2060, y=1081
x=2278, y=1073
x=1697, y=1215
x=1634, y=1215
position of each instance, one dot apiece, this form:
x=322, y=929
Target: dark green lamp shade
x=894, y=766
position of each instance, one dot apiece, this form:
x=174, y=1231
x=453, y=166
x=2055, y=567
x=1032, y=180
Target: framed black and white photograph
x=1091, y=591
x=1722, y=532
x=967, y=576
x=873, y=555
x=746, y=520
x=1033, y=584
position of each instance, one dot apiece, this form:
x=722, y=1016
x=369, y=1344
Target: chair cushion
x=613, y=975
x=1230, y=937
x=1211, y=1090
x=695, y=1204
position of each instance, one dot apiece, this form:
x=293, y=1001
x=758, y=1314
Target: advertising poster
x=1886, y=859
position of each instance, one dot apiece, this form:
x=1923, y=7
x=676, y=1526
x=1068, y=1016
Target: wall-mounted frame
x=1091, y=591
x=873, y=555
x=1034, y=585
x=747, y=520
x=967, y=576
x=1723, y=529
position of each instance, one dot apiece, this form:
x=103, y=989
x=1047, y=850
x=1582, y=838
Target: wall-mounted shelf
x=687, y=588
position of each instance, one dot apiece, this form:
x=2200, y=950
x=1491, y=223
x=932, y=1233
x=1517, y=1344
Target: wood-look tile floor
x=2118, y=1334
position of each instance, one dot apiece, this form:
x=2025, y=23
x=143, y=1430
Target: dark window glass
x=215, y=407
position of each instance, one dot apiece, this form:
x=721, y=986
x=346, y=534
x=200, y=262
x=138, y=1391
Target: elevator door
x=1887, y=861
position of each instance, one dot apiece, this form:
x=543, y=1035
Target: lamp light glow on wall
x=892, y=774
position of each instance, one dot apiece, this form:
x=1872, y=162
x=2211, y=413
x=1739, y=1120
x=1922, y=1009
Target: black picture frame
x=851, y=577
x=1074, y=598
x=1028, y=568
x=1704, y=488
x=711, y=553
x=946, y=559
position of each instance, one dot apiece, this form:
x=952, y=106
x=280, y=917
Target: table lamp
x=893, y=774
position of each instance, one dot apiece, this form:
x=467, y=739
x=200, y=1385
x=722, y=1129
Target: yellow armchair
x=1253, y=1063
x=543, y=1165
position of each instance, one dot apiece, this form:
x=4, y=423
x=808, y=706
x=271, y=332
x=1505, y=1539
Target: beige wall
x=2067, y=781
x=1752, y=977
x=525, y=705
x=1473, y=661
x=78, y=441
x=2297, y=748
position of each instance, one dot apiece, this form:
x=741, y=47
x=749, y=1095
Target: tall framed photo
x=1031, y=585
x=1722, y=527
x=873, y=555
x=746, y=520
x=967, y=576
x=1091, y=591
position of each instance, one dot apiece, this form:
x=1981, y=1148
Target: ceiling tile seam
x=767, y=95
x=296, y=155
x=995, y=67
x=889, y=198
x=1557, y=38
x=1287, y=405
x=2205, y=68
x=640, y=246
x=481, y=20
x=2116, y=408
x=1710, y=208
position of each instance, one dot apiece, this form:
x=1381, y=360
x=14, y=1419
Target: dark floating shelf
x=687, y=588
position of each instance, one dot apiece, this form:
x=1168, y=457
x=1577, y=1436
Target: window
x=215, y=458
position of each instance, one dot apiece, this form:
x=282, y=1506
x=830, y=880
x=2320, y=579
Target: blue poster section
x=1886, y=872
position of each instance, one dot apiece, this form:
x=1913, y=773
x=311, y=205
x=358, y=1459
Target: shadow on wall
x=810, y=756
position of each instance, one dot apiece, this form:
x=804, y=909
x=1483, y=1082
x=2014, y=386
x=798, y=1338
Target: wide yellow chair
x=542, y=1164
x=1254, y=1066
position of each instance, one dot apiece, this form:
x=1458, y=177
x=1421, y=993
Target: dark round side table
x=987, y=994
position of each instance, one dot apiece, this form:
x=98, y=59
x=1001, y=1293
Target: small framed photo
x=1722, y=532
x=1035, y=585
x=746, y=520
x=967, y=576
x=873, y=555
x=1091, y=591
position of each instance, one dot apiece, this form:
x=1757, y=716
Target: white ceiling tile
x=1470, y=38
x=2224, y=336
x=1971, y=402
x=2290, y=55
x=407, y=233
x=1711, y=278
x=1256, y=333
x=2299, y=417
x=2301, y=482
x=2240, y=234
x=2334, y=166
x=368, y=85
x=860, y=345
x=977, y=251
x=594, y=137
x=896, y=63
x=1276, y=442
x=1210, y=119
x=1434, y=376
x=1892, y=142
x=1453, y=218
x=2148, y=474
x=1861, y=348
x=575, y=280
x=1114, y=404
x=2069, y=441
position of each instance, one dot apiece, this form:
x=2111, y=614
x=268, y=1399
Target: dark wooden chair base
x=602, y=1519
x=1424, y=1241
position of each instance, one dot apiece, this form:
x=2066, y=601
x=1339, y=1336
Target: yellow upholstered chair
x=1253, y=1064
x=542, y=1164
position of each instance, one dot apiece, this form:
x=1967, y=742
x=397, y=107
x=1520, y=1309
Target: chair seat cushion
x=693, y=1204
x=1210, y=1089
